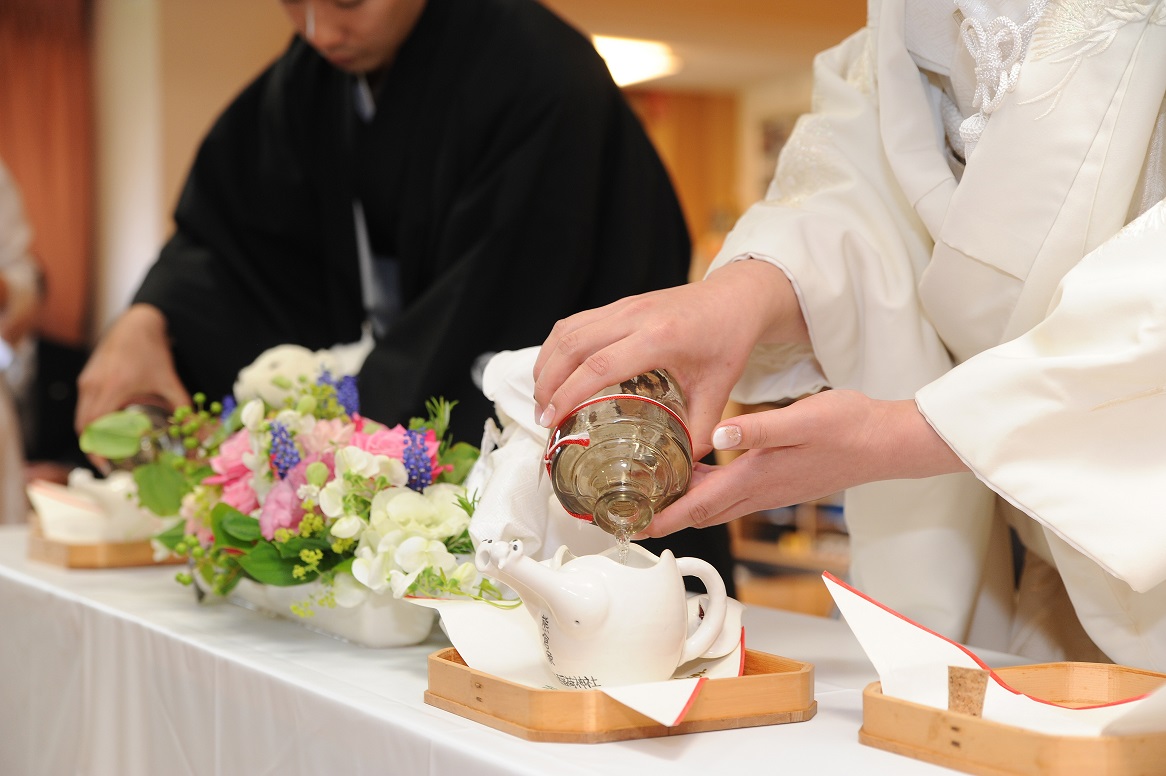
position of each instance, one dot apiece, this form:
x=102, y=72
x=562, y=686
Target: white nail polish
x=548, y=415
x=727, y=437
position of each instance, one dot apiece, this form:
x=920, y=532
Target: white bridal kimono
x=1021, y=300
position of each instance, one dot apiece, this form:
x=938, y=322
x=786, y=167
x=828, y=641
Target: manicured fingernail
x=548, y=415
x=727, y=437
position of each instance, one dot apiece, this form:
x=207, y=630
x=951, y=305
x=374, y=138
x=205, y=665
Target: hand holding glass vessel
x=623, y=455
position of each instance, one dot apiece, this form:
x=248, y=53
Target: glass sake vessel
x=624, y=454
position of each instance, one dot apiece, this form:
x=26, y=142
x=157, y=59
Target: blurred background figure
x=19, y=298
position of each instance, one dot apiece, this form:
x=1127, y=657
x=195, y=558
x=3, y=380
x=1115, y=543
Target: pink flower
x=283, y=507
x=233, y=474
x=201, y=531
x=326, y=435
x=382, y=440
x=240, y=495
x=379, y=440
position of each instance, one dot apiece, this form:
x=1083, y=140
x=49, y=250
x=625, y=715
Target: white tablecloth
x=119, y=672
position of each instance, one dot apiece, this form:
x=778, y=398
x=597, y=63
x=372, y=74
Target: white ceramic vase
x=379, y=621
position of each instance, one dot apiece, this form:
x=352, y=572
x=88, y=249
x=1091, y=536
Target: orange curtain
x=46, y=140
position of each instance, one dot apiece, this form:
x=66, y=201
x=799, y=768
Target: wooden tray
x=106, y=555
x=772, y=691
x=968, y=743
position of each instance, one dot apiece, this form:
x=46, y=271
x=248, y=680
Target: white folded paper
x=515, y=498
x=91, y=510
x=912, y=663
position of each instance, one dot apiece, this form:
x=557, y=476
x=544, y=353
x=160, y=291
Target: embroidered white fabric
x=998, y=46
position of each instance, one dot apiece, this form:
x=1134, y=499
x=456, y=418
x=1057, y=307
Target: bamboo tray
x=772, y=691
x=966, y=742
x=105, y=555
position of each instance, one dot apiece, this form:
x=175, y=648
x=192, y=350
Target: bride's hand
x=701, y=332
x=813, y=448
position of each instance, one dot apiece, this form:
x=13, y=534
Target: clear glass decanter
x=624, y=454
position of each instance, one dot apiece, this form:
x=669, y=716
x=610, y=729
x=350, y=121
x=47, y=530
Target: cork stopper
x=965, y=690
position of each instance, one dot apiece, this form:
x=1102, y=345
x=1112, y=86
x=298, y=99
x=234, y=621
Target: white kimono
x=1021, y=300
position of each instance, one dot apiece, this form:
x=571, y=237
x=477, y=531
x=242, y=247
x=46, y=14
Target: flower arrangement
x=286, y=483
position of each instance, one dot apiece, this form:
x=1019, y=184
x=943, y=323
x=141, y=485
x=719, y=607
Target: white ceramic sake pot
x=606, y=623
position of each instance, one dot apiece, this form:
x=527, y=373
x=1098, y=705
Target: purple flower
x=347, y=395
x=284, y=454
x=417, y=461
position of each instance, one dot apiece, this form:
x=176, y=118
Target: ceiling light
x=632, y=61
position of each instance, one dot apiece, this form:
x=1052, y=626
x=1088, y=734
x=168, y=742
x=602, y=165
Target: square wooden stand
x=772, y=691
x=974, y=745
x=105, y=555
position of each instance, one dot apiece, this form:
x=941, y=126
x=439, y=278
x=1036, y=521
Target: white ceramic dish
x=378, y=621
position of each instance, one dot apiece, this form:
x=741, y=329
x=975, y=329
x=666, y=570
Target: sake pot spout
x=576, y=599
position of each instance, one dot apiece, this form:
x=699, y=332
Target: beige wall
x=212, y=48
x=163, y=70
x=779, y=100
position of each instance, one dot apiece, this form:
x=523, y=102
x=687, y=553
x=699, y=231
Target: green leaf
x=116, y=436
x=173, y=535
x=225, y=513
x=469, y=504
x=265, y=564
x=161, y=488
x=292, y=547
x=461, y=456
x=240, y=526
x=198, y=474
x=461, y=544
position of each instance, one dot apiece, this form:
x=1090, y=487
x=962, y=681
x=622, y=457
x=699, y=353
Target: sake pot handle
x=714, y=615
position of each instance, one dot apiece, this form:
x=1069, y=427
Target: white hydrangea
x=413, y=556
x=277, y=364
x=434, y=514
x=348, y=592
x=466, y=577
x=253, y=414
x=393, y=560
x=356, y=461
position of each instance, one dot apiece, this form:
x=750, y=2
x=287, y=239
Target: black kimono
x=504, y=182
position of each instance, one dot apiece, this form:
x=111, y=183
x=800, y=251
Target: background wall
x=164, y=69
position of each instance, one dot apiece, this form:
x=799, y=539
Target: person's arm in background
x=131, y=364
